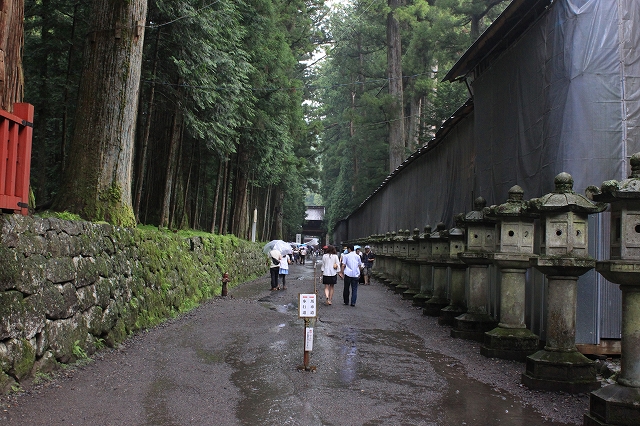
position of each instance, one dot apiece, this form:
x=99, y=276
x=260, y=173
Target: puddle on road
x=155, y=403
x=283, y=309
x=396, y=365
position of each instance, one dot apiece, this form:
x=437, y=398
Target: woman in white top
x=284, y=269
x=330, y=269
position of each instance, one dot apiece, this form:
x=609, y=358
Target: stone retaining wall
x=68, y=288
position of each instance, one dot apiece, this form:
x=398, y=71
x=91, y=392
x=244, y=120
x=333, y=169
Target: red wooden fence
x=16, y=131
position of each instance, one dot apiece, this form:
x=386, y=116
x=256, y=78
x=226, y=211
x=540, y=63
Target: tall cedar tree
x=11, y=40
x=362, y=79
x=97, y=178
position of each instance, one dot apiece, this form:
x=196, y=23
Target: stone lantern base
x=614, y=405
x=433, y=306
x=420, y=299
x=391, y=282
x=472, y=326
x=449, y=313
x=509, y=343
x=569, y=372
x=400, y=288
x=410, y=293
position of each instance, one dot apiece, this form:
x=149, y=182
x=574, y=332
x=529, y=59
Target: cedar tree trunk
x=97, y=177
x=394, y=64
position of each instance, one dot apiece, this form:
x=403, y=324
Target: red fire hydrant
x=225, y=280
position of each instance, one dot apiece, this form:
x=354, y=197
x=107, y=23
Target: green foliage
x=352, y=88
x=78, y=350
x=53, y=43
x=41, y=377
x=100, y=343
x=205, y=64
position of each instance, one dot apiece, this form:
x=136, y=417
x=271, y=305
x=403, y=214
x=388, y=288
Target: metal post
x=306, y=352
x=225, y=281
x=253, y=226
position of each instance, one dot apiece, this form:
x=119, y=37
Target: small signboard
x=298, y=238
x=308, y=339
x=307, y=305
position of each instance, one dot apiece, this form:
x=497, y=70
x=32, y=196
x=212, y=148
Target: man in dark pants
x=368, y=259
x=350, y=272
x=274, y=267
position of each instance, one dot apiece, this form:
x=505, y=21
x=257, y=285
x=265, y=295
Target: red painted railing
x=16, y=131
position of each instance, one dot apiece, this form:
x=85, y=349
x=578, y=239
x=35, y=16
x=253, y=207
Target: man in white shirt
x=274, y=267
x=303, y=254
x=350, y=272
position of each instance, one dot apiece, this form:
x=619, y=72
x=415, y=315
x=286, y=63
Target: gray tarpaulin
x=564, y=97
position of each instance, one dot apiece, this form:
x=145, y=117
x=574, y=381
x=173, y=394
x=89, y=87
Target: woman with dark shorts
x=330, y=268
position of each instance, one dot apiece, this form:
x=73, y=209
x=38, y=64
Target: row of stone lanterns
x=422, y=266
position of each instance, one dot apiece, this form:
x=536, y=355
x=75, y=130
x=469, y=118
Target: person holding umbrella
x=275, y=249
x=274, y=268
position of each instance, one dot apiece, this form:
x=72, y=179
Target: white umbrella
x=279, y=245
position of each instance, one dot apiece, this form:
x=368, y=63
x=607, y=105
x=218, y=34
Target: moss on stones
x=112, y=282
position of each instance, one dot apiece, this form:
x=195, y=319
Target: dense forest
x=195, y=113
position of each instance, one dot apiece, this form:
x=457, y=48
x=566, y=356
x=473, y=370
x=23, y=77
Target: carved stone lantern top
x=480, y=227
x=427, y=232
x=624, y=197
x=456, y=242
x=440, y=241
x=565, y=227
x=424, y=248
x=440, y=231
x=515, y=206
x=564, y=199
x=516, y=230
x=478, y=214
x=613, y=191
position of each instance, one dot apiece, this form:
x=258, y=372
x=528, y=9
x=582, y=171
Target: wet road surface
x=234, y=361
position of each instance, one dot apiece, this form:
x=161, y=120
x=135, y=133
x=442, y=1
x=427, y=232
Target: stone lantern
x=382, y=257
x=389, y=264
x=413, y=267
x=376, y=247
x=405, y=239
x=399, y=251
x=457, y=303
x=440, y=261
x=563, y=258
x=511, y=339
x=425, y=268
x=481, y=241
x=619, y=403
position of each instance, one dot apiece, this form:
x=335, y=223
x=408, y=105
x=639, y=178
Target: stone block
x=31, y=277
x=64, y=334
x=60, y=270
x=12, y=311
x=59, y=300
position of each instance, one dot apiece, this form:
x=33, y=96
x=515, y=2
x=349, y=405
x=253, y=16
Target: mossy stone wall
x=68, y=288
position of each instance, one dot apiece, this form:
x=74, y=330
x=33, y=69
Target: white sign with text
x=307, y=305
x=308, y=340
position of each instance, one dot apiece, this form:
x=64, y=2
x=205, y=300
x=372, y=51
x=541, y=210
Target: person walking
x=284, y=269
x=369, y=258
x=330, y=267
x=303, y=254
x=350, y=272
x=274, y=267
